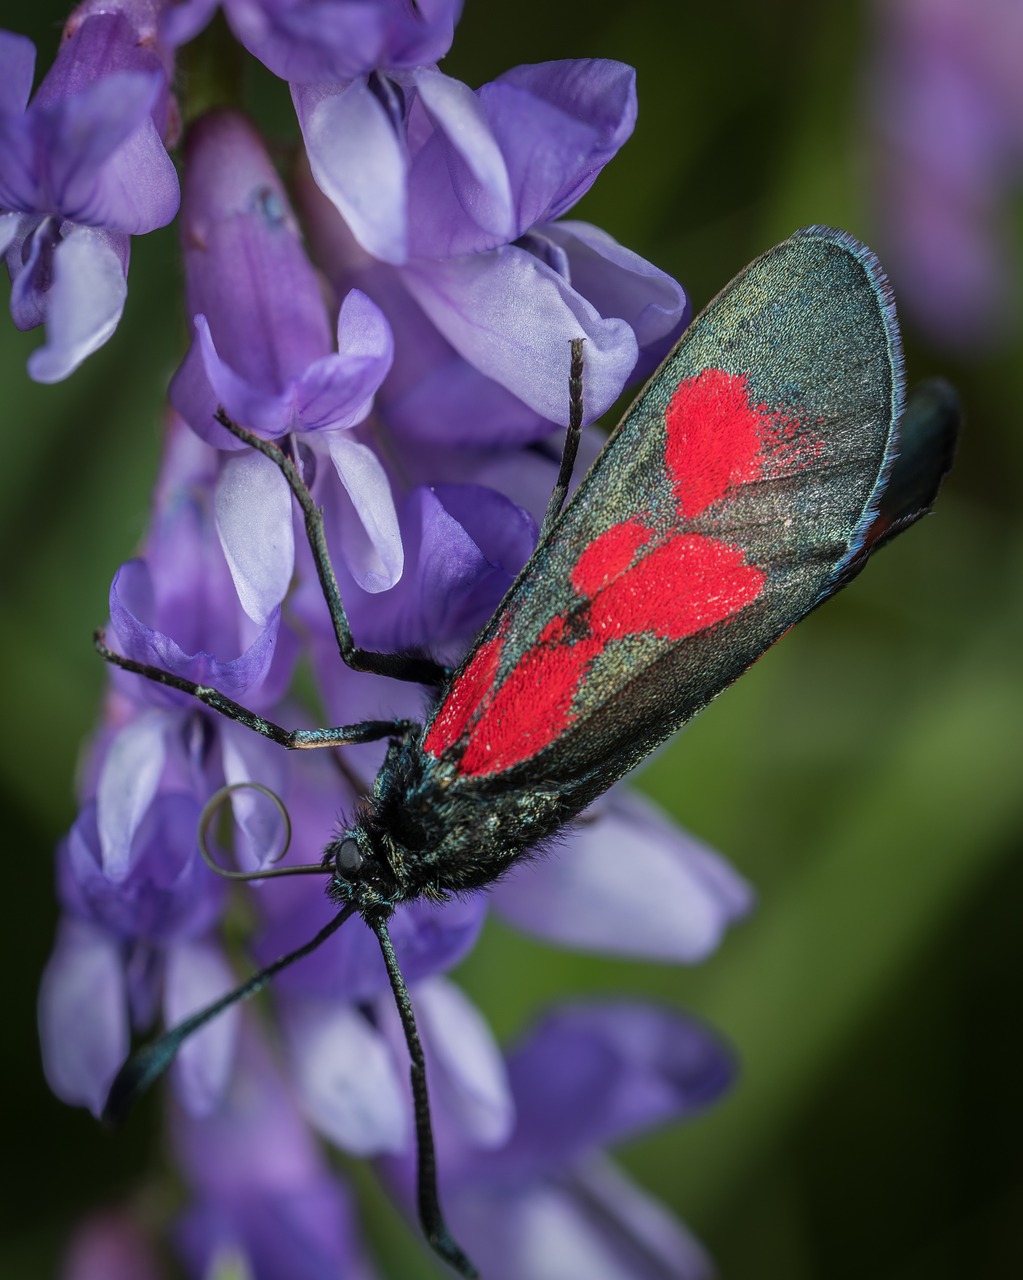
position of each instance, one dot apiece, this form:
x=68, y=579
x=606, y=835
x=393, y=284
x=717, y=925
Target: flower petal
x=196, y=975
x=591, y=1074
x=350, y=1086
x=673, y=905
x=84, y=302
x=83, y=1015
x=458, y=182
x=254, y=521
x=513, y=318
x=468, y=1080
x=17, y=70
x=358, y=163
x=559, y=123
x=591, y=1221
x=127, y=784
x=619, y=282
x=372, y=545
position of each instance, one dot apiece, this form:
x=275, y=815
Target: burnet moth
x=763, y=462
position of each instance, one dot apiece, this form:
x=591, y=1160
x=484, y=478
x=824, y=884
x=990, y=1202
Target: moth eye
x=348, y=859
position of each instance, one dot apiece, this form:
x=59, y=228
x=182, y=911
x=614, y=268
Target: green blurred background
x=863, y=775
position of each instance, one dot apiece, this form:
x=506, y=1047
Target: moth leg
x=292, y=739
x=575, y=427
x=400, y=666
x=431, y=1216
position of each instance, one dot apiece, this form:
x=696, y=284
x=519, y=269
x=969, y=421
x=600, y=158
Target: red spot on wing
x=608, y=555
x=681, y=587
x=717, y=438
x=532, y=707
x=464, y=696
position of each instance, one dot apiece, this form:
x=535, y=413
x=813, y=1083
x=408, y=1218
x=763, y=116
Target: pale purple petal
x=169, y=892
x=127, y=784
x=183, y=20
x=464, y=546
x=83, y=1015
x=131, y=606
x=260, y=832
x=427, y=938
x=468, y=1080
x=513, y=318
x=592, y=1222
x=458, y=183
x=592, y=1074
x=12, y=228
x=306, y=1232
x=331, y=40
x=17, y=70
x=247, y=273
x=106, y=166
x=373, y=550
x=619, y=282
x=628, y=882
x=256, y=1141
x=84, y=302
x=254, y=522
x=196, y=975
x=271, y=413
x=337, y=391
x=358, y=163
x=347, y=1078
x=559, y=123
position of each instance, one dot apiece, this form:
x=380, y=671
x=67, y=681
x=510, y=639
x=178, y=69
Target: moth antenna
x=431, y=1216
x=147, y=1065
x=572, y=436
x=210, y=808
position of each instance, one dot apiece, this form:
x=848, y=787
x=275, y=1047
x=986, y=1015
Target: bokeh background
x=864, y=776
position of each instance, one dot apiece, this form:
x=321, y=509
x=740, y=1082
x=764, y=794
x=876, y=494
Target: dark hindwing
x=732, y=498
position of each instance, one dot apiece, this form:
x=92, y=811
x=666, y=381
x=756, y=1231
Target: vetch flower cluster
x=411, y=354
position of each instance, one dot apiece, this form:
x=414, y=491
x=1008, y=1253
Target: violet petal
x=513, y=318
x=252, y=503
x=592, y=1221
x=467, y=1071
x=592, y=1074
x=674, y=904
x=17, y=71
x=127, y=784
x=619, y=282
x=559, y=123
x=358, y=163
x=372, y=549
x=85, y=301
x=196, y=975
x=145, y=643
x=458, y=183
x=349, y=1083
x=83, y=1015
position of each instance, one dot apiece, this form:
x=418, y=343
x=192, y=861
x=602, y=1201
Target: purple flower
x=534, y=1196
x=82, y=169
x=264, y=351
x=459, y=193
x=326, y=40
x=948, y=111
x=264, y=1199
